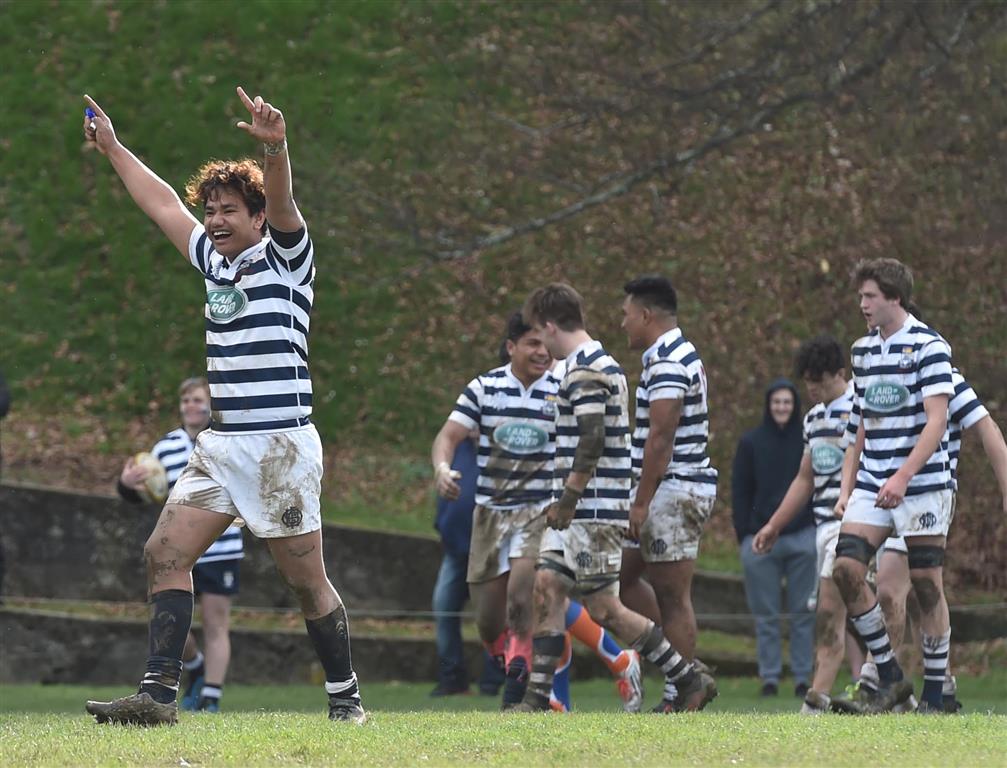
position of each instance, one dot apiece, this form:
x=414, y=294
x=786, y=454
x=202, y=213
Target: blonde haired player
x=261, y=458
x=216, y=575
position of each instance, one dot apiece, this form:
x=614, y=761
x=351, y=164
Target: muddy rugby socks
x=170, y=619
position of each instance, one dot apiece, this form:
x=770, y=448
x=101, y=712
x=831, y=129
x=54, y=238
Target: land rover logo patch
x=521, y=437
x=826, y=459
x=886, y=396
x=226, y=302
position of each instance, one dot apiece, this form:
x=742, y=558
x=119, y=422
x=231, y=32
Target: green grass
x=284, y=726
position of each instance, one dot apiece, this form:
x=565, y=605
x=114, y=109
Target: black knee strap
x=855, y=547
x=925, y=557
x=552, y=565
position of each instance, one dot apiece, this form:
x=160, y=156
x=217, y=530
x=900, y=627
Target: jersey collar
x=666, y=338
x=224, y=271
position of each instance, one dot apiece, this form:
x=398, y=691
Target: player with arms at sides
x=896, y=475
x=588, y=522
x=261, y=458
x=676, y=485
x=514, y=409
x=966, y=412
x=820, y=363
x=216, y=575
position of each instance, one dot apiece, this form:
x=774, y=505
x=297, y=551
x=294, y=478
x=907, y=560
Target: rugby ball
x=155, y=487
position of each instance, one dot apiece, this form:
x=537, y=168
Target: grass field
x=284, y=726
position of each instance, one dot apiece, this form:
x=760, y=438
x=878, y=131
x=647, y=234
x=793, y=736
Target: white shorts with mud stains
x=272, y=480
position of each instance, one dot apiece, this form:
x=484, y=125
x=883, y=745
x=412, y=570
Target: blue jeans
x=793, y=558
x=450, y=593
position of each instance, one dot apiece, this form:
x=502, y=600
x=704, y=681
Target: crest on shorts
x=521, y=437
x=658, y=547
x=583, y=559
x=225, y=302
x=885, y=396
x=926, y=521
x=292, y=517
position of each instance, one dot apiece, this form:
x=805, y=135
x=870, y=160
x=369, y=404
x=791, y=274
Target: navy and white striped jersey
x=965, y=410
x=257, y=315
x=517, y=437
x=672, y=370
x=595, y=383
x=891, y=379
x=173, y=452
x=825, y=428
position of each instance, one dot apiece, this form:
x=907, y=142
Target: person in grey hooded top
x=765, y=463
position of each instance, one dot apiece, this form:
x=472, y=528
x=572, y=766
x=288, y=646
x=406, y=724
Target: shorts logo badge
x=658, y=547
x=226, y=302
x=885, y=396
x=292, y=517
x=583, y=559
x=926, y=521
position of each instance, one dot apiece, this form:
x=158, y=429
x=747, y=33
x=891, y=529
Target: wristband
x=275, y=148
x=442, y=467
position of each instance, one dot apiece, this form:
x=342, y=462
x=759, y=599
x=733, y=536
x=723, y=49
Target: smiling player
x=261, y=458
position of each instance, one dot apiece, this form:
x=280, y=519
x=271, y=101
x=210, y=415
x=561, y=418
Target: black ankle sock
x=516, y=681
x=331, y=637
x=170, y=619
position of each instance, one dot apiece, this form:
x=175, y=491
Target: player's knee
x=928, y=591
x=848, y=576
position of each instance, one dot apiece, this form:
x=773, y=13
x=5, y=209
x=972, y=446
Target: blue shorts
x=219, y=578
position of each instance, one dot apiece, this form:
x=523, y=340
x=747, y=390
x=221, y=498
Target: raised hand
x=267, y=124
x=98, y=129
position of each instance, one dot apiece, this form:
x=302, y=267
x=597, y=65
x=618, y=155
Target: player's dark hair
x=556, y=303
x=516, y=328
x=653, y=292
x=244, y=177
x=820, y=355
x=893, y=277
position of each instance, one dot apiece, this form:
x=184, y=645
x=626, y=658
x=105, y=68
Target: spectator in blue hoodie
x=766, y=462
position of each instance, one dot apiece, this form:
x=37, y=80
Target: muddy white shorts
x=928, y=514
x=587, y=555
x=272, y=481
x=898, y=543
x=826, y=536
x=500, y=535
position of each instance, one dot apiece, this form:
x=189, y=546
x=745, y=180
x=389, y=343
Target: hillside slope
x=393, y=112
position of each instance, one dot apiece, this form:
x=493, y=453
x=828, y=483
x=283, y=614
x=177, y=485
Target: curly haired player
x=261, y=458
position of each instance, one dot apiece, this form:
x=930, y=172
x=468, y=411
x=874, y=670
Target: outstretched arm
x=269, y=127
x=996, y=452
x=155, y=198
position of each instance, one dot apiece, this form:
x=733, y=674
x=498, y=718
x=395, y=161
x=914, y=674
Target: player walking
x=820, y=363
x=589, y=520
x=261, y=458
x=676, y=485
x=896, y=475
x=513, y=407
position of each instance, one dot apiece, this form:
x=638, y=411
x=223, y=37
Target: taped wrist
x=590, y=443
